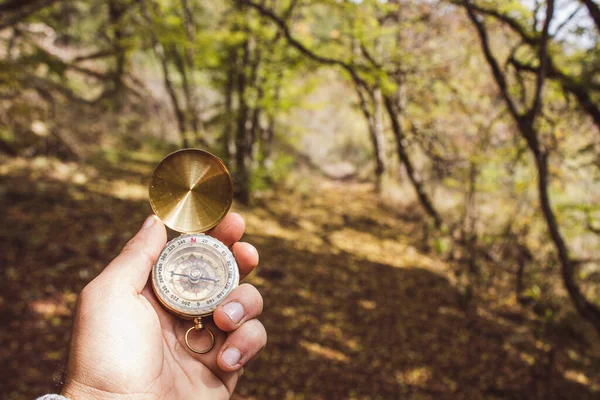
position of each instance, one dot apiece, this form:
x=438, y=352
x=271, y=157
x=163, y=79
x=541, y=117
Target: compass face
x=194, y=274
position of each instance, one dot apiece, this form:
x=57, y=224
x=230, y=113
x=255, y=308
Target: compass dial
x=194, y=274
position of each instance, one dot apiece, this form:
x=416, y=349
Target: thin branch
x=288, y=12
x=594, y=10
x=516, y=26
x=579, y=261
x=566, y=21
x=569, y=85
x=350, y=68
x=590, y=226
x=23, y=8
x=48, y=86
x=94, y=56
x=15, y=5
x=491, y=59
x=542, y=72
x=369, y=56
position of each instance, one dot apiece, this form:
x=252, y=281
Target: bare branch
x=369, y=56
x=281, y=24
x=516, y=26
x=570, y=84
x=578, y=89
x=94, y=56
x=491, y=59
x=566, y=21
x=15, y=11
x=594, y=10
x=542, y=71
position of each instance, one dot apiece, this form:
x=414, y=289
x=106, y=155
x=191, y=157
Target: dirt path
x=354, y=305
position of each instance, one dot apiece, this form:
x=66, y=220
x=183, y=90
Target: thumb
x=132, y=267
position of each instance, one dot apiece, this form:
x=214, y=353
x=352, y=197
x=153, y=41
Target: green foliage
x=264, y=177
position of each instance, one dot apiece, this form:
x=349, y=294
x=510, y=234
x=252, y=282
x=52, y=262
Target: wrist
x=74, y=390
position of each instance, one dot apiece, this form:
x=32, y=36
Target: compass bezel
x=197, y=239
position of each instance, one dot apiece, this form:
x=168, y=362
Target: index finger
x=229, y=230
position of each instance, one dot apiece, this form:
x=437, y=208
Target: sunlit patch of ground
x=356, y=305
x=386, y=251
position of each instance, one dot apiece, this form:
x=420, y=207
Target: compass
x=191, y=192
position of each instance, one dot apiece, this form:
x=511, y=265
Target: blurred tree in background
x=484, y=113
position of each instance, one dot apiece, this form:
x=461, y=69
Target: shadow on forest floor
x=352, y=307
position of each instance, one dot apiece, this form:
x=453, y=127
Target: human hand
x=124, y=345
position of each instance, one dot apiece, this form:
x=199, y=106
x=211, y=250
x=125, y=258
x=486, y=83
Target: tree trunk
x=254, y=129
x=115, y=13
x=426, y=203
x=255, y=81
x=372, y=112
x=266, y=142
x=268, y=134
x=524, y=257
x=568, y=271
x=179, y=114
x=374, y=121
x=227, y=144
x=190, y=112
x=378, y=138
x=160, y=54
x=242, y=175
x=187, y=68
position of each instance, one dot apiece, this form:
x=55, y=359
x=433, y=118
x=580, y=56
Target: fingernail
x=235, y=311
x=148, y=222
x=231, y=356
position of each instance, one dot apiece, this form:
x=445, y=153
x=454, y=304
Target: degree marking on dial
x=215, y=275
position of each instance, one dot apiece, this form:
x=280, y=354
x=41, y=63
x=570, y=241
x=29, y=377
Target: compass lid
x=191, y=190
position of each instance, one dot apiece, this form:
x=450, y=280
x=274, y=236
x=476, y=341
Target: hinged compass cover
x=191, y=190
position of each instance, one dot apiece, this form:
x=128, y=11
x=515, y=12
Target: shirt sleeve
x=52, y=397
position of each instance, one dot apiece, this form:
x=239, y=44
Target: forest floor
x=356, y=306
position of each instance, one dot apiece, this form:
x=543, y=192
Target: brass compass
x=191, y=192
